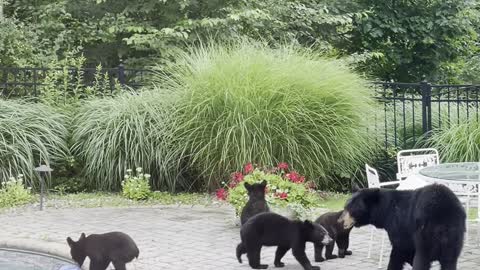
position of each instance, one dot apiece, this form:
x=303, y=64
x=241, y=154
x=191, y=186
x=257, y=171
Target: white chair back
x=372, y=177
x=410, y=161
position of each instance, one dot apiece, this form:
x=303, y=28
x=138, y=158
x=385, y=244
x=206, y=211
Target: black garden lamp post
x=43, y=171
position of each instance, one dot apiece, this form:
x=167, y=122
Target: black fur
x=340, y=235
x=256, y=201
x=270, y=229
x=115, y=247
x=424, y=225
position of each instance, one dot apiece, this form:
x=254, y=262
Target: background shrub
x=459, y=143
x=13, y=192
x=30, y=134
x=246, y=102
x=111, y=135
x=135, y=186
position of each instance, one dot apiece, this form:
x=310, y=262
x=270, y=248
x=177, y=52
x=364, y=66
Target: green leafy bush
x=14, y=193
x=246, y=102
x=66, y=185
x=63, y=88
x=30, y=133
x=111, y=135
x=458, y=143
x=136, y=187
x=284, y=188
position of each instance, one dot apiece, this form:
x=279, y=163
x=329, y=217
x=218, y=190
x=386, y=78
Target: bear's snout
x=327, y=240
x=347, y=220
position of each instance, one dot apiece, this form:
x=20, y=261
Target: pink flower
x=221, y=194
x=237, y=177
x=295, y=177
x=292, y=176
x=282, y=166
x=282, y=195
x=301, y=179
x=248, y=168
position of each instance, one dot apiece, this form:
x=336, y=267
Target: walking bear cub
x=256, y=201
x=270, y=229
x=115, y=247
x=340, y=235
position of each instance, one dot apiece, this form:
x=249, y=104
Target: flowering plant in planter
x=284, y=189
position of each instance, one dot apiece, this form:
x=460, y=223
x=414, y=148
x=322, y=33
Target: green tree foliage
x=414, y=38
x=394, y=39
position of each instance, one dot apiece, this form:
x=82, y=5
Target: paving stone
x=188, y=237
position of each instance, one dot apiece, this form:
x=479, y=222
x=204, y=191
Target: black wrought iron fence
x=29, y=81
x=406, y=111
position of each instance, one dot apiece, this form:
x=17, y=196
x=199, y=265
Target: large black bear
x=340, y=235
x=115, y=247
x=270, y=229
x=256, y=201
x=424, y=225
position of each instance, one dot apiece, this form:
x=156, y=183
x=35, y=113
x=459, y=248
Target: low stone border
x=44, y=248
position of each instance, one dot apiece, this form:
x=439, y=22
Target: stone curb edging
x=51, y=249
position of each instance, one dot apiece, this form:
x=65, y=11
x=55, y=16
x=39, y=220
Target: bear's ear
x=308, y=224
x=70, y=242
x=248, y=186
x=82, y=236
x=355, y=188
x=264, y=183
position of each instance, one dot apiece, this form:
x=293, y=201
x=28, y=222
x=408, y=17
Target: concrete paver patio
x=181, y=237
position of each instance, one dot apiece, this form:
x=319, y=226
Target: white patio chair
x=374, y=182
x=466, y=192
x=410, y=161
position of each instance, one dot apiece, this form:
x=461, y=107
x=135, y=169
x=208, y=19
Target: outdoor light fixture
x=43, y=171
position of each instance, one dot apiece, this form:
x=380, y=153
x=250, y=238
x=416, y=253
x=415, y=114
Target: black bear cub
x=339, y=234
x=256, y=201
x=270, y=229
x=115, y=247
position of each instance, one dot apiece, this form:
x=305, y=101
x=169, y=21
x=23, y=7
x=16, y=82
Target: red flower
x=295, y=177
x=292, y=176
x=301, y=179
x=221, y=194
x=282, y=166
x=237, y=177
x=233, y=184
x=248, y=168
x=282, y=195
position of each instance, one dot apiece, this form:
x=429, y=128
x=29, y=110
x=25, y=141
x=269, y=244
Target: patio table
x=462, y=178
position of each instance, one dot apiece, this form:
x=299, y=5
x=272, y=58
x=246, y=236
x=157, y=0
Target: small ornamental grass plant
x=136, y=186
x=14, y=193
x=285, y=188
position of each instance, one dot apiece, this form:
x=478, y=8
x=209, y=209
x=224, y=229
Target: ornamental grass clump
x=247, y=102
x=30, y=134
x=458, y=143
x=113, y=134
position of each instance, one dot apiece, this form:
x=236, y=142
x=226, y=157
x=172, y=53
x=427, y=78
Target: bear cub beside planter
x=256, y=201
x=285, y=192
